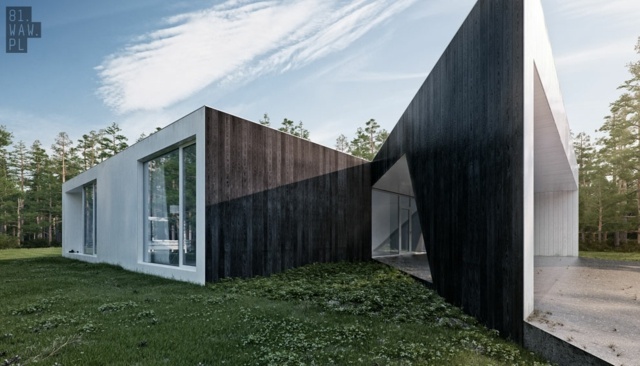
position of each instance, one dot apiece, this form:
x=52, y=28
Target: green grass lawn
x=618, y=256
x=7, y=254
x=56, y=311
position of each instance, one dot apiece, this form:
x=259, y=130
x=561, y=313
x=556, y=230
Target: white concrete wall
x=532, y=23
x=550, y=169
x=120, y=203
x=556, y=223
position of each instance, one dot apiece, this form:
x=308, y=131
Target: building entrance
x=395, y=225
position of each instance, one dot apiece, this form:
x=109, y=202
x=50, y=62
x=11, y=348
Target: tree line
x=31, y=181
x=365, y=144
x=31, y=176
x=610, y=172
x=609, y=206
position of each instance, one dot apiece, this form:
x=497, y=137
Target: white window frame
x=93, y=185
x=145, y=217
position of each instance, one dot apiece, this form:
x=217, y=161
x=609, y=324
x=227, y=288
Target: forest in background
x=610, y=173
x=31, y=177
x=31, y=182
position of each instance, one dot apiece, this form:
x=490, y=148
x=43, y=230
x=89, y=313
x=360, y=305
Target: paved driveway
x=594, y=304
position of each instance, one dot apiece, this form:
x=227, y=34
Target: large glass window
x=170, y=190
x=189, y=205
x=384, y=223
x=395, y=225
x=89, y=214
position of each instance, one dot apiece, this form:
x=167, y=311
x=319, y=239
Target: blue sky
x=332, y=64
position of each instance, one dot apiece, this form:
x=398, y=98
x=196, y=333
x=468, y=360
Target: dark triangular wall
x=463, y=138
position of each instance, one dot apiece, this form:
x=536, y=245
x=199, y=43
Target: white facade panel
x=120, y=203
x=556, y=223
x=550, y=168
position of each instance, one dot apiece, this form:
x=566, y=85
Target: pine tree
x=111, y=141
x=628, y=106
x=88, y=149
x=621, y=156
x=342, y=144
x=8, y=190
x=39, y=196
x=289, y=127
x=360, y=145
x=368, y=140
x=19, y=172
x=265, y=121
x=62, y=156
x=597, y=192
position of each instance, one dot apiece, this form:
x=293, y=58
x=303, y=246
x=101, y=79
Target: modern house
x=212, y=196
x=479, y=172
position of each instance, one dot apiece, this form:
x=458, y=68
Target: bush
x=631, y=246
x=39, y=243
x=8, y=242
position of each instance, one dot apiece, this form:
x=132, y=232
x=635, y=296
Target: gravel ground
x=593, y=304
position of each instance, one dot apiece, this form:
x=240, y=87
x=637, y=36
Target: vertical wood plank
x=271, y=201
x=463, y=138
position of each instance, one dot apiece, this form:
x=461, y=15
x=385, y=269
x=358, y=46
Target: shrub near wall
x=8, y=242
x=40, y=243
x=631, y=246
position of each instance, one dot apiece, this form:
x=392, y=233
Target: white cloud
x=388, y=76
x=595, y=54
x=233, y=42
x=611, y=11
x=438, y=8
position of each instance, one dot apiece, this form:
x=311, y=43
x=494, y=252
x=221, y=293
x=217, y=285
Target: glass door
x=395, y=226
x=404, y=223
x=405, y=230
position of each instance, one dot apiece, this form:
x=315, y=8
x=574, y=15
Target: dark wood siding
x=463, y=138
x=274, y=201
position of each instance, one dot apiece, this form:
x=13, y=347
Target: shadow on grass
x=65, y=311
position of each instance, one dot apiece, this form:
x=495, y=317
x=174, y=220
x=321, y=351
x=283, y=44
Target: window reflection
x=395, y=225
x=89, y=204
x=163, y=202
x=170, y=218
x=189, y=205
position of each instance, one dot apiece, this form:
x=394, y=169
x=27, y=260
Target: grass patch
x=23, y=253
x=56, y=310
x=616, y=256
